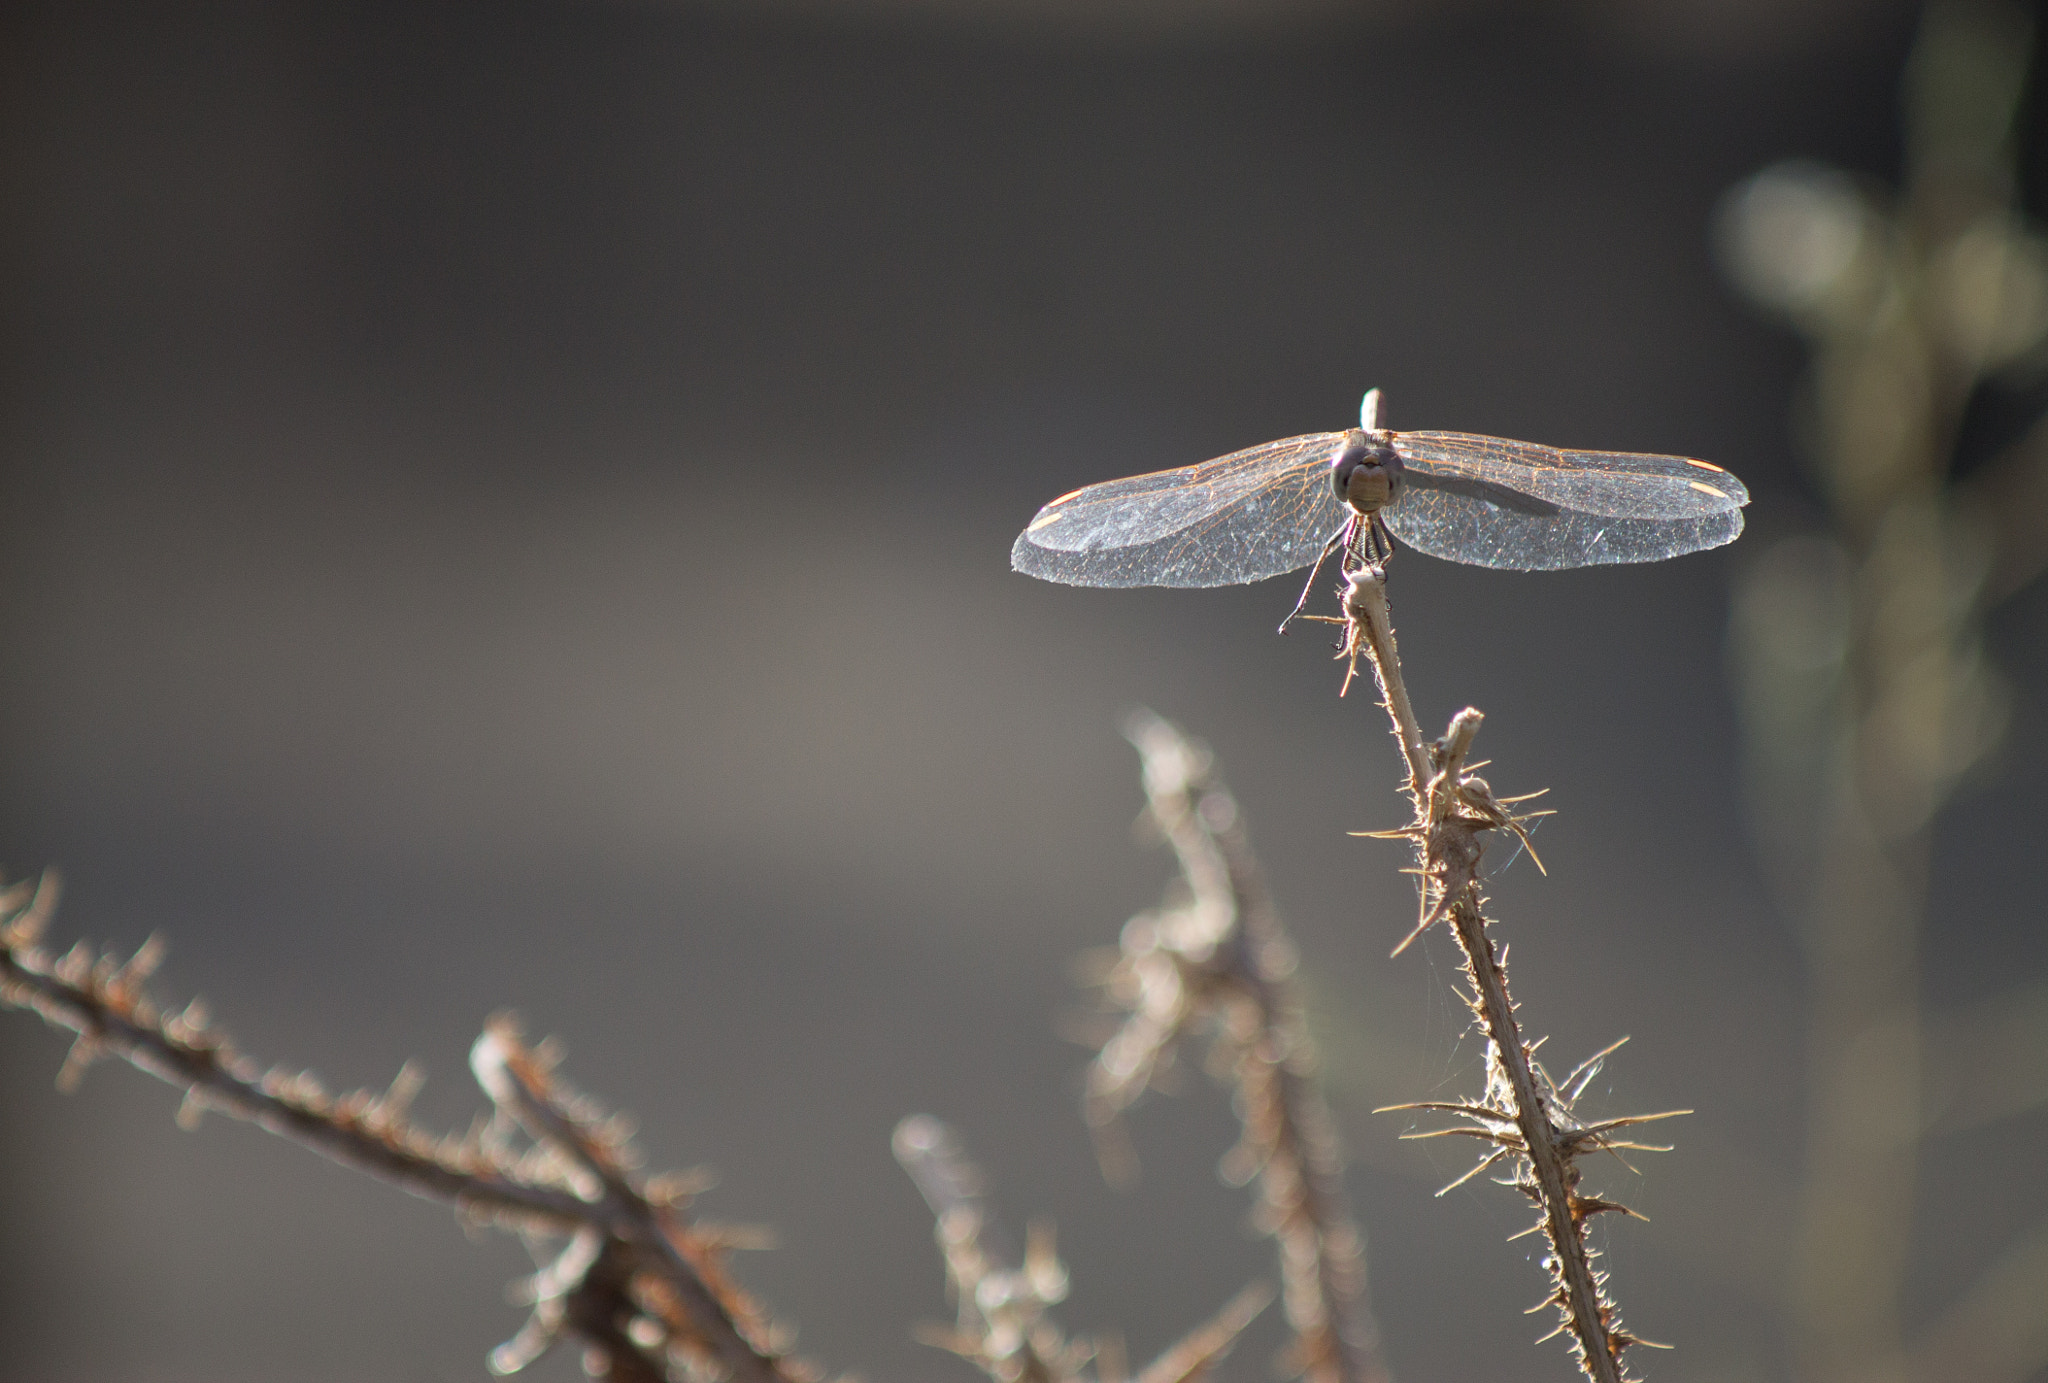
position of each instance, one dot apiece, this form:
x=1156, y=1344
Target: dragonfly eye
x=1346, y=459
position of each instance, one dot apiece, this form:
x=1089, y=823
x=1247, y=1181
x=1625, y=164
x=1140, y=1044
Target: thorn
x=1428, y=918
x=15, y=895
x=397, y=1099
x=1589, y=1068
x=1470, y=1111
x=1112, y=1360
x=84, y=1052
x=75, y=965
x=947, y=1338
x=1586, y=1208
x=737, y=1238
x=1490, y=1160
x=673, y=1190
x=126, y=983
x=1629, y=1119
x=1042, y=1267
x=32, y=913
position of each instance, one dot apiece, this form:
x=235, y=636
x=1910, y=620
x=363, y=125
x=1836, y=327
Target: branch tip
x=637, y=1287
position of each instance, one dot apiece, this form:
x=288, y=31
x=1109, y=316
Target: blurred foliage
x=1867, y=693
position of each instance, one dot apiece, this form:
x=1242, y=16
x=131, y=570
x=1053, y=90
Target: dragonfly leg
x=1341, y=538
x=1357, y=547
x=1376, y=545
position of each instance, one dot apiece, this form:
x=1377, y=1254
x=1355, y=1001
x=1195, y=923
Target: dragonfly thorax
x=1365, y=471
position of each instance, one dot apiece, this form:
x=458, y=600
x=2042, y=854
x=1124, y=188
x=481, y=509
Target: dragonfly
x=1276, y=508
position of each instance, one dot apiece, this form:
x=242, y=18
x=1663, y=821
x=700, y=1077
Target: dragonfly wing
x=1609, y=484
x=1242, y=517
x=1447, y=524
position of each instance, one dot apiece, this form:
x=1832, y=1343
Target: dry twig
x=1217, y=959
x=1004, y=1325
x=633, y=1281
x=1525, y=1116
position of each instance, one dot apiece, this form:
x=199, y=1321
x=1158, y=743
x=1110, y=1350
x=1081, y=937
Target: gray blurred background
x=509, y=506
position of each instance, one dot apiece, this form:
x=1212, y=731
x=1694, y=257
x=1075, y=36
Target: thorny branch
x=1525, y=1116
x=642, y=1289
x=1004, y=1325
x=1217, y=958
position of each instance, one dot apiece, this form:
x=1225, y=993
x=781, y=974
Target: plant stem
x=1452, y=808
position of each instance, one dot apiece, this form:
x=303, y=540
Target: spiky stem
x=630, y=1267
x=1452, y=809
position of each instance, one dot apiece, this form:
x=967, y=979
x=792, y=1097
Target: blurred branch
x=1218, y=960
x=1526, y=1117
x=1004, y=1324
x=633, y=1281
x=2009, y=496
x=1963, y=1089
x=1866, y=691
x=1195, y=1357
x=1998, y=1332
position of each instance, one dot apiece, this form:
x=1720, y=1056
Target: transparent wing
x=1242, y=517
x=1610, y=484
x=1465, y=529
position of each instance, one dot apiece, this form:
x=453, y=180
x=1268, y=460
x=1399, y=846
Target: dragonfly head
x=1364, y=471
